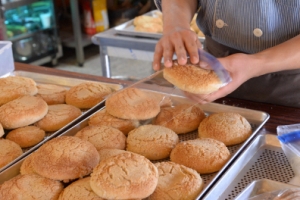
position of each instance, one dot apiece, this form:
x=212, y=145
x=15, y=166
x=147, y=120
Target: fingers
x=157, y=57
x=192, y=47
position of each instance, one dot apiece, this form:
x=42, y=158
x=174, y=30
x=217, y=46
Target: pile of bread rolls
x=134, y=148
x=30, y=111
x=154, y=24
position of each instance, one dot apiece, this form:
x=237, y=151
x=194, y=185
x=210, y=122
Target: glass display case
x=31, y=26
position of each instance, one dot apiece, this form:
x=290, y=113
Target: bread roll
x=30, y=186
x=26, y=136
x=103, y=137
x=58, y=116
x=176, y=182
x=87, y=94
x=13, y=87
x=103, y=118
x=132, y=103
x=182, y=118
x=192, y=78
x=26, y=166
x=229, y=128
x=52, y=94
x=65, y=158
x=124, y=176
x=23, y=111
x=204, y=155
x=9, y=151
x=152, y=141
x=107, y=153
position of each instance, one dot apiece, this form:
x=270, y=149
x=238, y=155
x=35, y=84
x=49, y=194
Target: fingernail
x=203, y=64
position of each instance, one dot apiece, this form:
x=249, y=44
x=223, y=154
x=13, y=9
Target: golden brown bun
x=23, y=111
x=87, y=94
x=144, y=19
x=52, y=94
x=26, y=166
x=182, y=118
x=124, y=176
x=152, y=141
x=229, y=128
x=164, y=100
x=192, y=78
x=204, y=155
x=103, y=118
x=30, y=186
x=9, y=151
x=58, y=116
x=107, y=153
x=176, y=182
x=65, y=158
x=13, y=87
x=1, y=130
x=103, y=137
x=79, y=190
x=26, y=136
x=132, y=103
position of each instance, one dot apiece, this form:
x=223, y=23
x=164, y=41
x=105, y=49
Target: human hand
x=241, y=68
x=181, y=41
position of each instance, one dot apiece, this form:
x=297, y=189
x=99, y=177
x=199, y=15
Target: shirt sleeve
x=158, y=4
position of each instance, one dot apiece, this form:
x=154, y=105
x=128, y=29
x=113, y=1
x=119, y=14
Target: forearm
x=285, y=56
x=177, y=14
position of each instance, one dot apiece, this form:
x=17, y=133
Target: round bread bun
x=79, y=190
x=58, y=116
x=152, y=141
x=52, y=94
x=13, y=87
x=1, y=130
x=103, y=137
x=203, y=155
x=192, y=78
x=87, y=94
x=229, y=128
x=103, y=118
x=182, y=118
x=176, y=182
x=124, y=176
x=164, y=100
x=9, y=151
x=26, y=136
x=30, y=186
x=23, y=111
x=26, y=166
x=107, y=153
x=65, y=158
x=132, y=103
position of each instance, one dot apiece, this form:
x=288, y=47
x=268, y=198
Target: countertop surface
x=279, y=115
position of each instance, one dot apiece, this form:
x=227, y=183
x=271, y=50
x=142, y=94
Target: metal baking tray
x=127, y=29
x=61, y=81
x=256, y=118
x=266, y=187
x=262, y=159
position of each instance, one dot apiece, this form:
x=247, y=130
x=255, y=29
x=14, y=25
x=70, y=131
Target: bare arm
x=177, y=36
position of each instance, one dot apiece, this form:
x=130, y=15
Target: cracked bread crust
x=229, y=128
x=52, y=94
x=124, y=176
x=13, y=87
x=26, y=166
x=102, y=117
x=79, y=190
x=182, y=118
x=23, y=111
x=152, y=141
x=132, y=103
x=9, y=151
x=65, y=158
x=58, y=116
x=203, y=155
x=176, y=182
x=30, y=186
x=103, y=137
x=192, y=78
x=87, y=94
